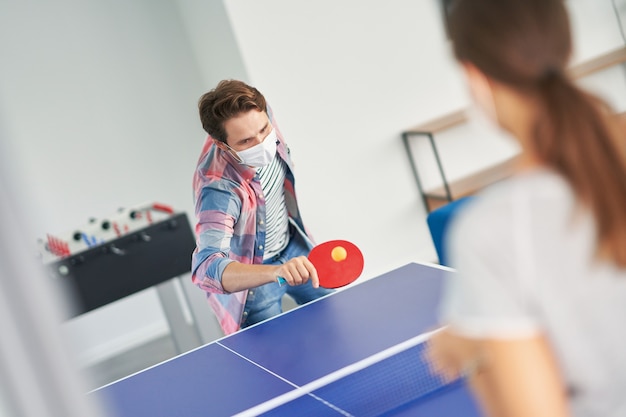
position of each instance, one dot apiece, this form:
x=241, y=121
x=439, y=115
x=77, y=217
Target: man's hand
x=298, y=271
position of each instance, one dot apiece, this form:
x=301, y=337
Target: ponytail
x=526, y=45
x=576, y=136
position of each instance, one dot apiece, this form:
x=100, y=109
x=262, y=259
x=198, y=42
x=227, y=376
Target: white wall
x=345, y=79
x=595, y=27
x=98, y=100
x=212, y=40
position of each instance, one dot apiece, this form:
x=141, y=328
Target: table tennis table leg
x=206, y=323
x=185, y=335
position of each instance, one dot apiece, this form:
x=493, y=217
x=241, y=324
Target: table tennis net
x=372, y=387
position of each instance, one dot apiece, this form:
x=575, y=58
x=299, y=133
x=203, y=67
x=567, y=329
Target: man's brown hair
x=229, y=99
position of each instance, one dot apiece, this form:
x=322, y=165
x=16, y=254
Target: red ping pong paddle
x=338, y=263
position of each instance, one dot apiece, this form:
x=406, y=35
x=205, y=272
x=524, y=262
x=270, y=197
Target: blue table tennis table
x=259, y=363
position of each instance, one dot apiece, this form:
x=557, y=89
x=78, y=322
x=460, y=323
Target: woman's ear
x=477, y=82
x=481, y=90
x=471, y=70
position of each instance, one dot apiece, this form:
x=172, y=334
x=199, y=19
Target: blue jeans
x=266, y=301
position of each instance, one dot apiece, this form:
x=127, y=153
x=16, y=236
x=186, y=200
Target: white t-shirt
x=525, y=256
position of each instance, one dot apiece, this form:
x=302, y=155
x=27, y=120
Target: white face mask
x=261, y=154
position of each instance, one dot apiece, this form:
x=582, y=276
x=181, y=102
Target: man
x=249, y=229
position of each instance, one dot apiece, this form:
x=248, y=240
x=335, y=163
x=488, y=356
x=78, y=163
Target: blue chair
x=438, y=222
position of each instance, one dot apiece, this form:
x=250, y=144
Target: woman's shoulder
x=540, y=193
x=538, y=183
x=537, y=188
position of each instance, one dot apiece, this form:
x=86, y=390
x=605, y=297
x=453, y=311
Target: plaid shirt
x=230, y=214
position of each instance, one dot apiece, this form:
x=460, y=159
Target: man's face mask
x=261, y=154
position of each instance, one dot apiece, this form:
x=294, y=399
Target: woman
x=535, y=313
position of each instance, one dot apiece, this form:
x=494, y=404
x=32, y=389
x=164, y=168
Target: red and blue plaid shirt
x=230, y=226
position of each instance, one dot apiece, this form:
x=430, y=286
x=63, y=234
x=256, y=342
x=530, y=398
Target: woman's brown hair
x=228, y=99
x=526, y=44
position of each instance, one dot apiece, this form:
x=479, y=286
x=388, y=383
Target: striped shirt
x=230, y=223
x=272, y=177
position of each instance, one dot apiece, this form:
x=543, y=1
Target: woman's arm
x=510, y=378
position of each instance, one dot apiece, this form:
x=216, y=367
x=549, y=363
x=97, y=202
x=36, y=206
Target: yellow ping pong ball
x=338, y=253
